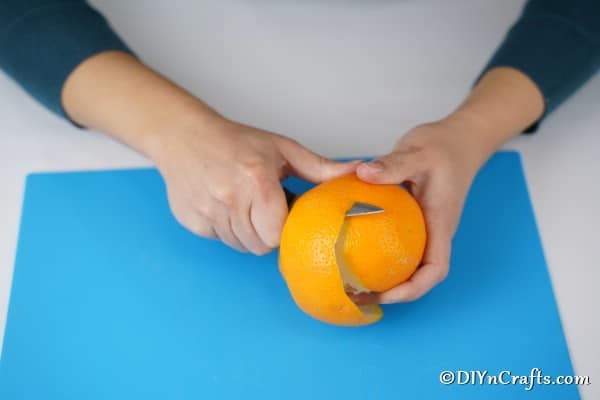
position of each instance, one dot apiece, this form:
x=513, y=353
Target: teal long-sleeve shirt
x=554, y=42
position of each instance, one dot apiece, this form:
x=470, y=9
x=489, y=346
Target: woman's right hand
x=223, y=180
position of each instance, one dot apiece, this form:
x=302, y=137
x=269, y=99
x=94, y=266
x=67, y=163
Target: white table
x=358, y=73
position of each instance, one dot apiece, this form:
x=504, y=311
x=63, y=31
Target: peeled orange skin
x=374, y=252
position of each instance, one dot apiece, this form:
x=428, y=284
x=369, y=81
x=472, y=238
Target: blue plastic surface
x=112, y=299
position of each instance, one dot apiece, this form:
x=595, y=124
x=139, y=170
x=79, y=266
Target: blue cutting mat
x=111, y=299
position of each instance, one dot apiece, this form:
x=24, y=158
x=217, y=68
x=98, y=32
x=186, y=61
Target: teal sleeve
x=557, y=44
x=43, y=41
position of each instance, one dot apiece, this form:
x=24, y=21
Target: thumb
x=392, y=168
x=311, y=166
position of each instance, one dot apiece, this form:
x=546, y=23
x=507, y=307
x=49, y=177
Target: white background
x=346, y=78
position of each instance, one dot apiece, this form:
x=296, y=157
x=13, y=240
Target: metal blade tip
x=359, y=208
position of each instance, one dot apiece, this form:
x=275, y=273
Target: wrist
x=468, y=138
x=475, y=129
x=164, y=137
x=502, y=105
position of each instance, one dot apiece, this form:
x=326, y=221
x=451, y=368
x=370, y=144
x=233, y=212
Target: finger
x=188, y=217
x=435, y=266
x=198, y=225
x=423, y=280
x=311, y=166
x=204, y=229
x=245, y=232
x=224, y=230
x=392, y=168
x=193, y=221
x=268, y=212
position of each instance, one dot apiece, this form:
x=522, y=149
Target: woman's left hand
x=437, y=163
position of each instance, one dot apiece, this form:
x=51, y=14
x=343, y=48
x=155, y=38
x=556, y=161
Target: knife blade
x=357, y=209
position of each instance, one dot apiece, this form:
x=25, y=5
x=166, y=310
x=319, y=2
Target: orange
x=325, y=255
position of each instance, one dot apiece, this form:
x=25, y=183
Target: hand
x=222, y=178
x=437, y=162
x=223, y=181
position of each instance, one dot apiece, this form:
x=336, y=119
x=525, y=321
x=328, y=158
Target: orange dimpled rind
x=323, y=254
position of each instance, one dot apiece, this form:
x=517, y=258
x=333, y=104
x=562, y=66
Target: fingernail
x=375, y=165
x=353, y=163
x=383, y=299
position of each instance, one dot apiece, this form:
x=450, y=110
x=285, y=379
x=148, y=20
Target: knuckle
x=208, y=210
x=291, y=142
x=287, y=141
x=325, y=166
x=200, y=227
x=267, y=249
x=256, y=172
x=225, y=195
x=238, y=247
x=260, y=181
x=422, y=154
x=394, y=162
x=262, y=251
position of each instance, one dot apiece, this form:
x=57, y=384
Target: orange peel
x=325, y=255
